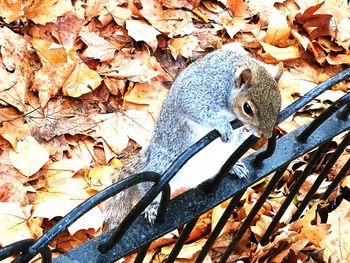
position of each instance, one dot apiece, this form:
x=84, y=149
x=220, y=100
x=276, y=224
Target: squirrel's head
x=258, y=100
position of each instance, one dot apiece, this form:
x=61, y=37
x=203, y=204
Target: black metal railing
x=134, y=233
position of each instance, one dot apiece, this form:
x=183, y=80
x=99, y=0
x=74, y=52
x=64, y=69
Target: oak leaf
x=337, y=242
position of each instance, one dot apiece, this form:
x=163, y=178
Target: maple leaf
x=40, y=12
x=141, y=31
x=64, y=192
x=29, y=156
x=57, y=65
x=82, y=80
x=315, y=24
x=97, y=47
x=13, y=223
x=60, y=116
x=137, y=67
x=116, y=128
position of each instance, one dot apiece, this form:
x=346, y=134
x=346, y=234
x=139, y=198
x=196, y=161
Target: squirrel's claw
x=151, y=212
x=240, y=170
x=226, y=132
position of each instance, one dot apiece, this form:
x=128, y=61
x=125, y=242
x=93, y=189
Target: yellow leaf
x=53, y=53
x=97, y=47
x=82, y=80
x=282, y=54
x=141, y=31
x=183, y=46
x=29, y=157
x=13, y=223
x=40, y=12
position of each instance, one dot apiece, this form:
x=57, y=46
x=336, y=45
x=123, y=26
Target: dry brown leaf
x=12, y=187
x=40, y=12
x=173, y=22
x=16, y=70
x=61, y=116
x=57, y=65
x=282, y=54
x=150, y=93
x=97, y=47
x=315, y=24
x=337, y=242
x=278, y=29
x=137, y=67
x=141, y=31
x=183, y=46
x=189, y=4
x=116, y=128
x=82, y=80
x=13, y=223
x=29, y=156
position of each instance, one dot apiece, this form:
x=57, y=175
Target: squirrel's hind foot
x=240, y=170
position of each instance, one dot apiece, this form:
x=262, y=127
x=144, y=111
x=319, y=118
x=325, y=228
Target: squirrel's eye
x=247, y=109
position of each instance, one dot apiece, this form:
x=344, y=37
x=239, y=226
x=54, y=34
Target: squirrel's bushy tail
x=117, y=207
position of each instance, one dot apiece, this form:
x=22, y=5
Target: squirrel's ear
x=275, y=71
x=244, y=78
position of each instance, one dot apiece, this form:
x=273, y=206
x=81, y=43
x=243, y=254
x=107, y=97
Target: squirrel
x=224, y=85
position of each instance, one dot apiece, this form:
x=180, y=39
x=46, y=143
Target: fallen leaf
x=13, y=223
x=183, y=46
x=29, y=156
x=40, y=12
x=82, y=80
x=138, y=67
x=282, y=54
x=174, y=22
x=337, y=241
x=57, y=65
x=16, y=71
x=141, y=31
x=116, y=128
x=97, y=47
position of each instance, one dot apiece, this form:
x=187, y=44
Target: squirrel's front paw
x=240, y=170
x=151, y=211
x=226, y=132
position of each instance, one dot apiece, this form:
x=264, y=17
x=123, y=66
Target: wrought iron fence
x=134, y=233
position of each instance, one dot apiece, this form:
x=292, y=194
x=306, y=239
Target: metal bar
x=323, y=117
x=217, y=230
x=321, y=177
x=196, y=201
x=181, y=241
x=294, y=190
x=343, y=172
x=142, y=253
x=240, y=232
x=344, y=114
x=80, y=210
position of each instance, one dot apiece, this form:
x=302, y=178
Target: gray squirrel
x=224, y=85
